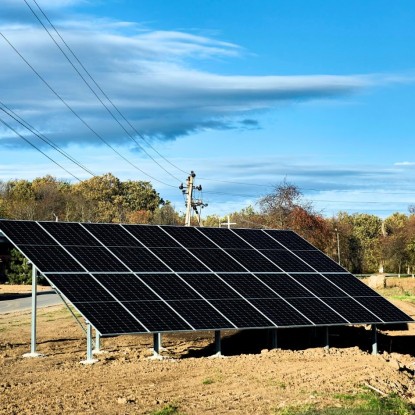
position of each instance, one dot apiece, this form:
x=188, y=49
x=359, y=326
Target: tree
x=18, y=270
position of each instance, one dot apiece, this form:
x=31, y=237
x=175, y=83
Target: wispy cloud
x=405, y=163
x=153, y=76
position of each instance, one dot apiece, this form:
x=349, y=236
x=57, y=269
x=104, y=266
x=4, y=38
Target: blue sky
x=320, y=93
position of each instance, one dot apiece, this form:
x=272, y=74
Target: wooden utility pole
x=190, y=202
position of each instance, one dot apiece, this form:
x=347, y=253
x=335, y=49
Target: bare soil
x=250, y=380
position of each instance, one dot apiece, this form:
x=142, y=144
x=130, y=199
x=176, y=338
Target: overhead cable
x=79, y=117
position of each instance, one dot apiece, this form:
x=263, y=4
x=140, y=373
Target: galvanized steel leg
x=157, y=343
x=33, y=352
x=327, y=339
x=89, y=358
x=97, y=348
x=374, y=339
x=218, y=343
x=274, y=338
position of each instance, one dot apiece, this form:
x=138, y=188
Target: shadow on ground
x=253, y=341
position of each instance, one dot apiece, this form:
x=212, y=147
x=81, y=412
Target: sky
x=246, y=94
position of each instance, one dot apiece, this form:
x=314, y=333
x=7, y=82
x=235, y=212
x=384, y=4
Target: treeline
x=362, y=243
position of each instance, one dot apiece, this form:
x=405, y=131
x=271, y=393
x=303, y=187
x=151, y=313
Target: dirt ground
x=250, y=380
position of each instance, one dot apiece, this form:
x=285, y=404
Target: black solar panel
x=224, y=239
x=201, y=315
x=210, y=286
x=80, y=288
x=280, y=312
x=318, y=285
x=151, y=236
x=189, y=237
x=316, y=311
x=126, y=287
x=258, y=239
x=217, y=260
x=26, y=233
x=286, y=261
x=110, y=318
x=253, y=260
x=157, y=316
x=248, y=286
x=141, y=278
x=138, y=259
x=179, y=260
x=290, y=240
x=70, y=233
x=51, y=258
x=96, y=259
x=170, y=286
x=111, y=235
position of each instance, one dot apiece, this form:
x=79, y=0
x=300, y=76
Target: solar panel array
x=143, y=278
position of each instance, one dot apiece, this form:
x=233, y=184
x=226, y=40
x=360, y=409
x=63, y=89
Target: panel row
x=168, y=302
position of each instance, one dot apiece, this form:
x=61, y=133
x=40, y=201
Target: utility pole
x=190, y=202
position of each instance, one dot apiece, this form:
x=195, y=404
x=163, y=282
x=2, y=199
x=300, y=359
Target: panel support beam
x=33, y=352
x=273, y=338
x=89, y=357
x=374, y=339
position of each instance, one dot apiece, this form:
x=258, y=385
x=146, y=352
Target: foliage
x=366, y=403
x=18, y=270
x=167, y=410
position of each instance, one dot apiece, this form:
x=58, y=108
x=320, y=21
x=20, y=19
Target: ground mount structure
x=131, y=279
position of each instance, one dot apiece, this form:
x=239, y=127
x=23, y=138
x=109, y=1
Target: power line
x=100, y=89
x=42, y=137
x=37, y=148
x=80, y=118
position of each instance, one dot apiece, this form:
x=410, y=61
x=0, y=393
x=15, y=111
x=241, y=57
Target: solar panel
x=141, y=278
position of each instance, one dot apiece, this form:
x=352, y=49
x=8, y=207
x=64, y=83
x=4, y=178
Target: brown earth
x=250, y=380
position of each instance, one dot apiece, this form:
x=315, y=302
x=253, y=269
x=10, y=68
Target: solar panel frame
x=118, y=245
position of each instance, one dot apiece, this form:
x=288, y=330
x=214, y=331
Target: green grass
x=365, y=403
x=207, y=381
x=167, y=410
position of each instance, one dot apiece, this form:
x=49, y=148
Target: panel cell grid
x=179, y=260
x=290, y=240
x=111, y=234
x=248, y=286
x=138, y=259
x=319, y=261
x=110, y=318
x=157, y=316
x=126, y=287
x=25, y=233
x=383, y=309
x=258, y=239
x=170, y=287
x=67, y=233
x=223, y=238
x=80, y=288
x=96, y=259
x=188, y=237
x=252, y=260
x=51, y=258
x=201, y=315
x=318, y=285
x=351, y=285
x=284, y=285
x=151, y=236
x=217, y=260
x=287, y=261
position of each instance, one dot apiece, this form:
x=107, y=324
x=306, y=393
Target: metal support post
x=33, y=352
x=97, y=348
x=89, y=358
x=374, y=339
x=327, y=339
x=218, y=343
x=274, y=338
x=157, y=343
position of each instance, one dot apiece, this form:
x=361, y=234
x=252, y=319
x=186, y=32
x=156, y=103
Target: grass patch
x=167, y=410
x=207, y=381
x=365, y=403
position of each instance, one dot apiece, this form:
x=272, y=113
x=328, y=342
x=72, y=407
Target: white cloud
x=405, y=163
